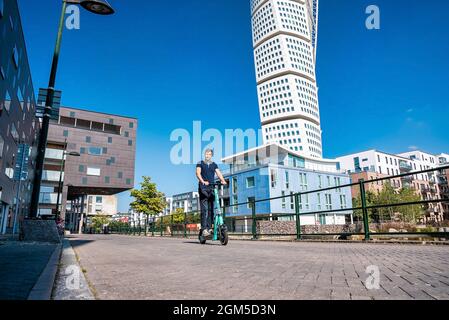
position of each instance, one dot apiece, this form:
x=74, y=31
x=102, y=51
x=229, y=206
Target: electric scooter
x=220, y=229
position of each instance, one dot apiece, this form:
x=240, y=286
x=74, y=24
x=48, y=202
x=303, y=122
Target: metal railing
x=159, y=227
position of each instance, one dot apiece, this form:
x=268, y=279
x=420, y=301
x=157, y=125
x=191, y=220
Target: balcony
x=48, y=198
x=405, y=166
x=53, y=176
x=407, y=179
x=428, y=190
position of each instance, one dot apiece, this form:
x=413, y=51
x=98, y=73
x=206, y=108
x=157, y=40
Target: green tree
x=99, y=221
x=387, y=196
x=178, y=216
x=411, y=213
x=148, y=200
x=370, y=201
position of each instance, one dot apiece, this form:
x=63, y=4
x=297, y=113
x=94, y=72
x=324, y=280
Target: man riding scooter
x=205, y=172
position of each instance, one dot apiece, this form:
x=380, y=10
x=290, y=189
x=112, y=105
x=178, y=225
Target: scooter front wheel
x=223, y=234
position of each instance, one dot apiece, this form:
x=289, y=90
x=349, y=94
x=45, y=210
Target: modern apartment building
x=188, y=202
x=372, y=163
x=273, y=171
x=443, y=178
x=284, y=40
x=106, y=145
x=18, y=125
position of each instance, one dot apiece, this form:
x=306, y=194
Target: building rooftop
x=92, y=111
x=270, y=149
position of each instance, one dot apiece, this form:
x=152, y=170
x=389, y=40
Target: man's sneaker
x=206, y=233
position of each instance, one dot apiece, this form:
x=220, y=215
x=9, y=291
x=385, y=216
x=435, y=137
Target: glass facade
x=18, y=124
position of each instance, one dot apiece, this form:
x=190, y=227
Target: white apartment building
x=104, y=205
x=188, y=202
x=284, y=42
x=426, y=184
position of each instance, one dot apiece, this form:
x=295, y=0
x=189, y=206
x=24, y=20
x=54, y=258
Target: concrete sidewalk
x=24, y=266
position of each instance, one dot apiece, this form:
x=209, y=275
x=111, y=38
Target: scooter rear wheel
x=201, y=238
x=223, y=235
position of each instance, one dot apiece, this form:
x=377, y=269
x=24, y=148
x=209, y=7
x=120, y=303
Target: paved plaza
x=21, y=264
x=126, y=267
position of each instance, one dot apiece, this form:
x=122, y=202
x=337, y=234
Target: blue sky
x=170, y=63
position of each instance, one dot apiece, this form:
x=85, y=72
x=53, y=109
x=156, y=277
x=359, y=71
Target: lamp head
x=97, y=6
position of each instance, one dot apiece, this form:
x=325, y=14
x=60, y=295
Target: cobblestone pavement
x=125, y=267
x=21, y=264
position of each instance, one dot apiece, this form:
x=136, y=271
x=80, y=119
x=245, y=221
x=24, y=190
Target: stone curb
x=68, y=260
x=43, y=288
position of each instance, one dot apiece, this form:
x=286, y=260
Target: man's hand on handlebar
x=206, y=183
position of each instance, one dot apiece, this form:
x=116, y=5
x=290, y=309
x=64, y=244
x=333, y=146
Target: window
x=328, y=202
x=126, y=134
x=88, y=139
x=273, y=177
x=99, y=200
x=72, y=114
x=128, y=181
x=107, y=180
x=131, y=125
x=235, y=201
x=82, y=150
x=120, y=175
x=328, y=181
x=84, y=180
x=343, y=201
x=303, y=181
x=93, y=171
x=292, y=200
x=95, y=151
x=105, y=151
x=109, y=139
x=251, y=202
x=357, y=164
x=319, y=182
x=234, y=185
x=306, y=202
x=318, y=201
x=287, y=184
x=283, y=199
x=65, y=133
x=130, y=142
x=81, y=168
x=250, y=183
x=111, y=121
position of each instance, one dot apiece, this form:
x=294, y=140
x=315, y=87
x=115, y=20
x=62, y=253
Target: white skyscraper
x=284, y=41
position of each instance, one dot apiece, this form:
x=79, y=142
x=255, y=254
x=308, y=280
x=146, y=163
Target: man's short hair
x=209, y=150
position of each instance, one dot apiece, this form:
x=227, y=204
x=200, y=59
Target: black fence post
x=152, y=226
x=364, y=209
x=185, y=224
x=298, y=221
x=254, y=228
x=161, y=224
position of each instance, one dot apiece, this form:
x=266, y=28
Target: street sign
x=21, y=167
x=41, y=99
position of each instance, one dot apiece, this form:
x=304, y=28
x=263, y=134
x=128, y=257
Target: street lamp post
x=61, y=189
x=95, y=6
